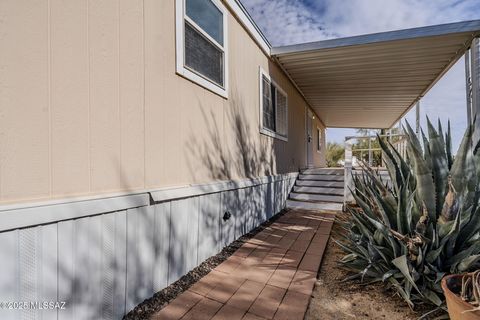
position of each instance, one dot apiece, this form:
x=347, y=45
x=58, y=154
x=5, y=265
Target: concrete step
x=331, y=171
x=317, y=183
x=322, y=177
x=315, y=197
x=328, y=206
x=319, y=190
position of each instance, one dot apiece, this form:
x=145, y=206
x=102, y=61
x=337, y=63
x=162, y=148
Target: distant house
x=129, y=128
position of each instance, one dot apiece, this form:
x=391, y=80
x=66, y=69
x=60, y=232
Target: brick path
x=270, y=277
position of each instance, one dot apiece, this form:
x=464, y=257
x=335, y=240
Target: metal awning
x=371, y=81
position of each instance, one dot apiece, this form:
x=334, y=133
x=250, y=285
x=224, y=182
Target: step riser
x=313, y=206
x=315, y=197
x=319, y=190
x=339, y=172
x=328, y=184
x=320, y=177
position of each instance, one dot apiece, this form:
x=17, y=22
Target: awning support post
x=475, y=88
x=417, y=119
x=468, y=86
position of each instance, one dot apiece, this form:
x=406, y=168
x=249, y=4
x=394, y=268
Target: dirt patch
x=334, y=299
x=148, y=307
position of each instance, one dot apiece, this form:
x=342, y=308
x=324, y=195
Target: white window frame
x=319, y=142
x=189, y=73
x=264, y=130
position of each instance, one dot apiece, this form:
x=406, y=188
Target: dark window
x=268, y=105
x=274, y=108
x=203, y=56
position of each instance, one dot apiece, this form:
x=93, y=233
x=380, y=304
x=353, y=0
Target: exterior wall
x=91, y=107
x=90, y=104
x=102, y=266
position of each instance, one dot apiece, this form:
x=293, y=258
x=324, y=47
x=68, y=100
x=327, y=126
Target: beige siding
x=90, y=103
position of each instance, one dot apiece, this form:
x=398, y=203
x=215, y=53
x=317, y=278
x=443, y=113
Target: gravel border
x=161, y=299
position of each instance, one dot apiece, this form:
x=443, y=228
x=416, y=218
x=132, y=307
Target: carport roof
x=371, y=81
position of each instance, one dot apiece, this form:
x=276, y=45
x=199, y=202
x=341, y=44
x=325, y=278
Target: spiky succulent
x=423, y=222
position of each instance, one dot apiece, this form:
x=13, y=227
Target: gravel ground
x=160, y=299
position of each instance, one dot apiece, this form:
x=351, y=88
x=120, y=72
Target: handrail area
x=370, y=153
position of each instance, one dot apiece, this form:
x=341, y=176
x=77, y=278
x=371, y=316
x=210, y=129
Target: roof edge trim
x=247, y=21
x=403, y=34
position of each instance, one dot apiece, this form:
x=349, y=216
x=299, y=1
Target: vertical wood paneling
x=24, y=95
x=47, y=269
x=132, y=94
x=120, y=265
x=209, y=226
x=161, y=245
x=10, y=275
x=227, y=227
x=69, y=97
x=28, y=262
x=183, y=238
x=105, y=131
x=67, y=268
x=140, y=255
x=108, y=265
x=95, y=261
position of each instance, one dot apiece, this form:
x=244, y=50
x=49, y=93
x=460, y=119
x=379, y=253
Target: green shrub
x=335, y=153
x=420, y=225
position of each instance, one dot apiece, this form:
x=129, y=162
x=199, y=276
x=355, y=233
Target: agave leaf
x=426, y=150
x=448, y=146
x=467, y=263
x=432, y=296
x=461, y=167
x=413, y=139
x=391, y=164
x=401, y=291
x=439, y=165
x=424, y=182
x=388, y=274
x=349, y=257
x=402, y=264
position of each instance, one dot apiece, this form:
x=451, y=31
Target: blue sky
x=296, y=21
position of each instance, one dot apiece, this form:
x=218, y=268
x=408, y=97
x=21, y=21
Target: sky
x=287, y=22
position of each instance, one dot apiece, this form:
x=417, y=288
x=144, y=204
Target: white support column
x=417, y=119
x=468, y=86
x=475, y=76
x=348, y=184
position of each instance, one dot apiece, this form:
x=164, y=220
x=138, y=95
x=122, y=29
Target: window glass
x=202, y=56
x=207, y=16
x=281, y=108
x=268, y=108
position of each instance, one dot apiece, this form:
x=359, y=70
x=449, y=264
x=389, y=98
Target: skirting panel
x=104, y=265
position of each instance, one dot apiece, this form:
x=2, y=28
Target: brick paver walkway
x=270, y=277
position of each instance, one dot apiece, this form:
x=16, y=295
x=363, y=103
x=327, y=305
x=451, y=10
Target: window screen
x=207, y=16
x=281, y=114
x=274, y=108
x=203, y=56
x=268, y=107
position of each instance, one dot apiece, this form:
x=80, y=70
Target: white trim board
x=250, y=26
x=33, y=214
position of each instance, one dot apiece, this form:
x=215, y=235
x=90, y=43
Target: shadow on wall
x=225, y=155
x=103, y=266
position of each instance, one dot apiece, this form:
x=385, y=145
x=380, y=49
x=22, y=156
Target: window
x=273, y=108
x=319, y=139
x=201, y=43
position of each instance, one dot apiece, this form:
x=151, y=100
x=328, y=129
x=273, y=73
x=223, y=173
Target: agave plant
x=420, y=224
